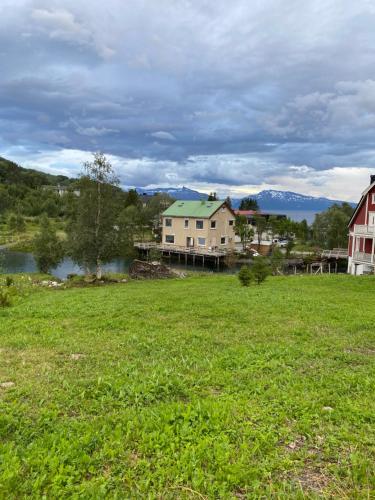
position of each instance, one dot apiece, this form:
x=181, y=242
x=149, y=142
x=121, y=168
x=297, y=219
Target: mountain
x=267, y=200
x=183, y=193
x=287, y=200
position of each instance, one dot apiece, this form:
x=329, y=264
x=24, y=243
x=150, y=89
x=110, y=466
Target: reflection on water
x=22, y=262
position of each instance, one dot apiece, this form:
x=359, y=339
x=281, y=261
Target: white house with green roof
x=205, y=225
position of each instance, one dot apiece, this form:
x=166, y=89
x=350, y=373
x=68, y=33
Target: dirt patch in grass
x=364, y=351
x=312, y=479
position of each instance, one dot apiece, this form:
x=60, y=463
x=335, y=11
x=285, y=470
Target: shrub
x=260, y=269
x=5, y=299
x=9, y=281
x=245, y=276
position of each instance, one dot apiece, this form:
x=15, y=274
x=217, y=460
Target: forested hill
x=11, y=173
x=22, y=191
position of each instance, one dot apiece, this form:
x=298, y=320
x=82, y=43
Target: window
x=201, y=242
x=186, y=223
x=169, y=238
x=373, y=198
x=223, y=240
x=213, y=224
x=199, y=224
x=168, y=222
x=231, y=222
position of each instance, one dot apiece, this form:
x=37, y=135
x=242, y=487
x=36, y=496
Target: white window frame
x=199, y=228
x=200, y=244
x=165, y=222
x=213, y=221
x=186, y=226
x=168, y=242
x=225, y=238
x=373, y=198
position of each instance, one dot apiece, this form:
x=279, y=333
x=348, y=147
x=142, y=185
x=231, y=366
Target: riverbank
x=168, y=387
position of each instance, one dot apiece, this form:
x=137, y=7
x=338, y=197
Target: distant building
x=62, y=190
x=361, y=246
x=202, y=224
x=268, y=239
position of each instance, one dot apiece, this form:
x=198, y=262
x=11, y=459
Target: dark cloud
x=190, y=91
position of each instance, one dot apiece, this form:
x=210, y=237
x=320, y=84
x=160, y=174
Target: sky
x=232, y=97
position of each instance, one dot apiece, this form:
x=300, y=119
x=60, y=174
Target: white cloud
x=163, y=136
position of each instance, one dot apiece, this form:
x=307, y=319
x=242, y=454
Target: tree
x=249, y=204
x=277, y=261
x=132, y=198
x=261, y=227
x=212, y=197
x=260, y=269
x=245, y=276
x=128, y=224
x=48, y=250
x=16, y=223
x=302, y=231
x=92, y=232
x=329, y=228
x=228, y=201
x=243, y=230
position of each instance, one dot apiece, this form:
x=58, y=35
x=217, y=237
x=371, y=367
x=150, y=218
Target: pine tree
x=260, y=269
x=245, y=276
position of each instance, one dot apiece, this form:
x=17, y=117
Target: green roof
x=183, y=208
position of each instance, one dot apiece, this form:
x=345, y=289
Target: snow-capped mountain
x=267, y=200
x=287, y=200
x=183, y=193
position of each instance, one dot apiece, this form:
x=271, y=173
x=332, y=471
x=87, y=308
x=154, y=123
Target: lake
x=22, y=262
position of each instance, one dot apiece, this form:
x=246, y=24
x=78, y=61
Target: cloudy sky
x=232, y=96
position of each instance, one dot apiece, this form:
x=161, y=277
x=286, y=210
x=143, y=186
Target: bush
x=260, y=269
x=245, y=276
x=5, y=299
x=9, y=281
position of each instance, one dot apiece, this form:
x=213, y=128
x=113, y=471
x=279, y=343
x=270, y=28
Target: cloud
x=207, y=93
x=163, y=136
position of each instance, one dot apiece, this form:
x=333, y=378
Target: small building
x=268, y=238
x=205, y=225
x=361, y=245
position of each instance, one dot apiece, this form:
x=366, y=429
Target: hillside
x=192, y=388
x=11, y=173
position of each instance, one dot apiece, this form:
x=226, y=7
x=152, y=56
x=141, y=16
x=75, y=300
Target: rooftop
x=183, y=208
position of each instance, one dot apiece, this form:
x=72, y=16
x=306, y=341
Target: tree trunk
x=99, y=270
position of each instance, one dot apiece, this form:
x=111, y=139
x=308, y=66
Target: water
x=296, y=215
x=22, y=262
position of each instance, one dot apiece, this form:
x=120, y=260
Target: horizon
x=232, y=98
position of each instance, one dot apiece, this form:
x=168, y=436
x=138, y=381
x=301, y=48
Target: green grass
x=193, y=388
x=23, y=241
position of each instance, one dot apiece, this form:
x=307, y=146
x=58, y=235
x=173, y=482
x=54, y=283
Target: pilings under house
x=197, y=255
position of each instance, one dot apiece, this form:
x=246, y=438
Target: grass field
x=192, y=388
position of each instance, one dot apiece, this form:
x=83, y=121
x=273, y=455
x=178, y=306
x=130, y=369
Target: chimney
x=372, y=179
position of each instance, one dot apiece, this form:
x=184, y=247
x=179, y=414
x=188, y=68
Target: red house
x=361, y=248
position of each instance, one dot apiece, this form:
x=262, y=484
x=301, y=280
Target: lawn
x=192, y=388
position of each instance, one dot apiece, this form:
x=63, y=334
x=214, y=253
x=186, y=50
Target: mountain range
x=267, y=199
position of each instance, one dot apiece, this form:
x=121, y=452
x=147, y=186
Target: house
x=267, y=238
x=361, y=246
x=205, y=225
